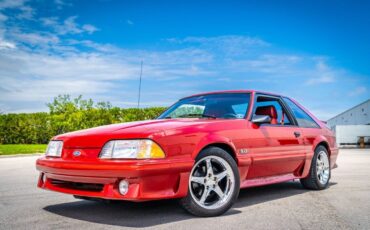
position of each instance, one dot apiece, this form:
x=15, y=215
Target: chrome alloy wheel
x=211, y=183
x=322, y=167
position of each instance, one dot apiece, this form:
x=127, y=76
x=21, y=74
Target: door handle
x=297, y=134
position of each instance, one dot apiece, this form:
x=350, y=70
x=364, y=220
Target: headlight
x=133, y=149
x=54, y=149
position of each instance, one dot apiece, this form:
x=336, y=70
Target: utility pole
x=141, y=73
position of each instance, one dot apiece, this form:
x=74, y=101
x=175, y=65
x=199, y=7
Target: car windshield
x=222, y=105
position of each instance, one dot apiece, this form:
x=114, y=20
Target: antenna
x=141, y=73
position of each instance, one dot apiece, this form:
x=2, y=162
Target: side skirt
x=267, y=180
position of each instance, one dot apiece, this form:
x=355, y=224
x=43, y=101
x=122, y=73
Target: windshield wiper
x=198, y=115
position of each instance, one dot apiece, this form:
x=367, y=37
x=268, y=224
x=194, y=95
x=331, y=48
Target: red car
x=202, y=149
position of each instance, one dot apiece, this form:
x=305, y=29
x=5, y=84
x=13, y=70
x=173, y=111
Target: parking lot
x=344, y=205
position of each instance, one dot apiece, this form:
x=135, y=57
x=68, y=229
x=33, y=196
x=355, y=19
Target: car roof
x=233, y=91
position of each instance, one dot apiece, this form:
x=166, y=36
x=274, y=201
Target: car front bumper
x=148, y=179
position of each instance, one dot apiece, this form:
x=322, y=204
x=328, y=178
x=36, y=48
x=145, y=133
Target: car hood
x=97, y=137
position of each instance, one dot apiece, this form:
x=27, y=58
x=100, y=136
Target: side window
x=303, y=119
x=273, y=108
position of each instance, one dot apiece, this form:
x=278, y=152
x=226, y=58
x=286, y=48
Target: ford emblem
x=76, y=153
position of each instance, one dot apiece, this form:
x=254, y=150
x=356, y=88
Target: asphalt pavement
x=344, y=205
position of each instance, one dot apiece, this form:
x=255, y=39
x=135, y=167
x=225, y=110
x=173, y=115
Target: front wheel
x=320, y=173
x=213, y=184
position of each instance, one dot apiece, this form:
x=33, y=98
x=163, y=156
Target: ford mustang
x=202, y=150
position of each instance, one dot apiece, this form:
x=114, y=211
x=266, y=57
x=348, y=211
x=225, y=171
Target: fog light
x=123, y=187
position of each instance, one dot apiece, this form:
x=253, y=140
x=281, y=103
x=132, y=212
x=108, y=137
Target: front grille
x=77, y=186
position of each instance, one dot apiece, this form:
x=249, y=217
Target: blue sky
x=317, y=52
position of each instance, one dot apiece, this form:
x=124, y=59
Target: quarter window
x=304, y=120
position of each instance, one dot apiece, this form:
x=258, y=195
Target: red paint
x=274, y=155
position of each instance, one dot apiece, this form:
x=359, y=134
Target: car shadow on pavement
x=147, y=214
x=258, y=195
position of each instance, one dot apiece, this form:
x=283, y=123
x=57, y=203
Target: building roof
x=367, y=101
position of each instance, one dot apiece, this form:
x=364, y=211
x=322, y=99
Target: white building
x=352, y=124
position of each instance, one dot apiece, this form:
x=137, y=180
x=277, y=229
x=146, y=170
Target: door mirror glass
x=261, y=119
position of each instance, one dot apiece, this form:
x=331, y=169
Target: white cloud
x=22, y=11
x=89, y=28
x=68, y=26
x=358, y=91
x=227, y=40
x=58, y=66
x=3, y=17
x=275, y=64
x=88, y=73
x=60, y=4
x=51, y=21
x=323, y=74
x=228, y=45
x=6, y=45
x=39, y=39
x=129, y=22
x=26, y=12
x=8, y=4
x=36, y=65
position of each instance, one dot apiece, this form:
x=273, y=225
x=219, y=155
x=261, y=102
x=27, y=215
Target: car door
x=309, y=128
x=275, y=148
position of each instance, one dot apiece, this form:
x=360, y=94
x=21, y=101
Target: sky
x=317, y=52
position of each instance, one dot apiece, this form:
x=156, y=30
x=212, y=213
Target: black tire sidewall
x=314, y=167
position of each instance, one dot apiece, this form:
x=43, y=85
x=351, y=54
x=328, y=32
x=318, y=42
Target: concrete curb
x=21, y=155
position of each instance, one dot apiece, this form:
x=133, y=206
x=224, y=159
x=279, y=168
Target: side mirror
x=261, y=119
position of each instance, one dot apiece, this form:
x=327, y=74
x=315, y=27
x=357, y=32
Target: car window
x=304, y=120
x=221, y=105
x=185, y=109
x=282, y=117
x=240, y=109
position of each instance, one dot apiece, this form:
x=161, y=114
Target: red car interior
x=268, y=111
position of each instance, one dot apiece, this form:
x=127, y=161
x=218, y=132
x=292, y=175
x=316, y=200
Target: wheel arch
x=319, y=141
x=223, y=146
x=325, y=144
x=216, y=141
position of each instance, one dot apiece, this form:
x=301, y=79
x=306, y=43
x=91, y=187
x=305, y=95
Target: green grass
x=22, y=149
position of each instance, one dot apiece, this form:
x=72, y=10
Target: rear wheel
x=320, y=173
x=213, y=184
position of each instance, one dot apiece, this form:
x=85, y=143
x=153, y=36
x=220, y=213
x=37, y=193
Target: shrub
x=65, y=115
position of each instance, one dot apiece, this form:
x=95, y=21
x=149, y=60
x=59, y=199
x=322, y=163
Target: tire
x=320, y=163
x=212, y=192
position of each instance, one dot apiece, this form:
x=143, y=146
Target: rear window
x=304, y=120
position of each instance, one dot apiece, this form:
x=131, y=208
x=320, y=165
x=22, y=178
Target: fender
x=309, y=155
x=332, y=151
x=242, y=162
x=212, y=139
x=318, y=140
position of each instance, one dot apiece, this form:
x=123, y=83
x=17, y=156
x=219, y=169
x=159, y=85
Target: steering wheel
x=230, y=115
